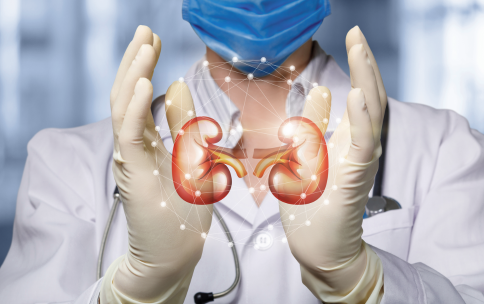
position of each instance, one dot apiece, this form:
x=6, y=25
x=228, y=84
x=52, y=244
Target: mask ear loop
x=205, y=297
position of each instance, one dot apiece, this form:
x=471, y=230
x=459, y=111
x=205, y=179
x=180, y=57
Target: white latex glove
x=161, y=259
x=325, y=236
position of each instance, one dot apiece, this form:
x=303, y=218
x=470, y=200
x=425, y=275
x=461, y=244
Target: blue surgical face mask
x=250, y=30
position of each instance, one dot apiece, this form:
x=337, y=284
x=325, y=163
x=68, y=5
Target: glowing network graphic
x=297, y=172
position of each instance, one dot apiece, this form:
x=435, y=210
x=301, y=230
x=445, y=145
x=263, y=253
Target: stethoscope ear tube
x=377, y=187
x=117, y=199
x=201, y=297
x=205, y=297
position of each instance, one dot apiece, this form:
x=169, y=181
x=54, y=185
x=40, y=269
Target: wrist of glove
x=369, y=284
x=176, y=292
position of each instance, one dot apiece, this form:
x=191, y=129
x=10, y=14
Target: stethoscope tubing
x=117, y=200
x=234, y=253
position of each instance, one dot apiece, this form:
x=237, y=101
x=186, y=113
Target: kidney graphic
x=300, y=168
x=199, y=168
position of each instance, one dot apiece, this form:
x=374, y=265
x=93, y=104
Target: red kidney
x=300, y=171
x=199, y=170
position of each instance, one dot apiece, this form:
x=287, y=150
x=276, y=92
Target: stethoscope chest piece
x=380, y=204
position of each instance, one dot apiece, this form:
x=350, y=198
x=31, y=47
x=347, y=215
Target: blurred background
x=58, y=60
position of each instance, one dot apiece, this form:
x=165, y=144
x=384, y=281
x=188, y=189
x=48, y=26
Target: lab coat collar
x=305, y=81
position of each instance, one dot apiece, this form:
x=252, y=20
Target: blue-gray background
x=58, y=60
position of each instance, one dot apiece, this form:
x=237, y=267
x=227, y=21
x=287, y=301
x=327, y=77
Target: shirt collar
x=305, y=81
x=210, y=100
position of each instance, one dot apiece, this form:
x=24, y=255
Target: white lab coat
x=432, y=249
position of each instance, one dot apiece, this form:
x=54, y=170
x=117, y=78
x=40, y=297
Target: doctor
x=430, y=251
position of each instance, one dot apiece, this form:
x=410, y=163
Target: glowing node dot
x=270, y=227
x=338, y=120
x=325, y=121
x=228, y=79
x=204, y=235
x=232, y=131
x=239, y=128
x=325, y=95
x=153, y=144
x=250, y=76
x=331, y=145
x=188, y=176
x=307, y=223
x=291, y=217
x=181, y=132
x=198, y=193
x=303, y=195
x=168, y=102
x=368, y=61
x=251, y=190
x=288, y=130
x=334, y=187
x=256, y=247
x=163, y=204
x=313, y=177
x=235, y=59
x=309, y=97
x=292, y=68
x=341, y=160
x=181, y=79
x=190, y=113
x=205, y=63
x=295, y=139
x=262, y=187
x=326, y=202
x=289, y=82
x=156, y=172
x=284, y=240
x=230, y=244
x=263, y=59
x=182, y=227
x=157, y=128
x=315, y=84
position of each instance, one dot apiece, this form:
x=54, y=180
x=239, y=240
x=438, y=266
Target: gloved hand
x=325, y=236
x=165, y=232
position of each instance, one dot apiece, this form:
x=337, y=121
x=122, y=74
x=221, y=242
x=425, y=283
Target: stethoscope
x=376, y=204
x=201, y=297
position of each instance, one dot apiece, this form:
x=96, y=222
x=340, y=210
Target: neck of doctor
x=262, y=103
x=299, y=59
